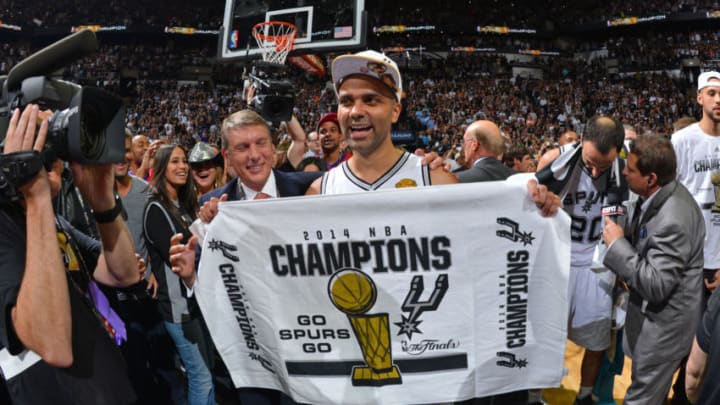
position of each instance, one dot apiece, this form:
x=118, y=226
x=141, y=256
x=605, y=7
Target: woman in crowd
x=171, y=209
x=207, y=168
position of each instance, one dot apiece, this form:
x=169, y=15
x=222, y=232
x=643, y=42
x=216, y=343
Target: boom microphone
x=51, y=58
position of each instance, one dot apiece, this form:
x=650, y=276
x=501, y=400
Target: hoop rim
x=257, y=30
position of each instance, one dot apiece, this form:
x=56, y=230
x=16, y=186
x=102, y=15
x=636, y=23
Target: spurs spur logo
x=225, y=248
x=415, y=307
x=514, y=234
x=509, y=360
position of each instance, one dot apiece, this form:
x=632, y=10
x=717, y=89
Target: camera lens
x=92, y=139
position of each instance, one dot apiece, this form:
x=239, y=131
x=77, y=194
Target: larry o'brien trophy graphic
x=354, y=293
x=715, y=179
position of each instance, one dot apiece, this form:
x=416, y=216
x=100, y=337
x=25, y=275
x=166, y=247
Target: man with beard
x=368, y=105
x=134, y=194
x=369, y=90
x=697, y=147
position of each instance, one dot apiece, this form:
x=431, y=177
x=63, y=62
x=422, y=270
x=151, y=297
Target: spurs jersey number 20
x=406, y=172
x=584, y=204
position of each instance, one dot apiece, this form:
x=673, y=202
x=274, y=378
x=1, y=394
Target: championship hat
x=704, y=80
x=368, y=63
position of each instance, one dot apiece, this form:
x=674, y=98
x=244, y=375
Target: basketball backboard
x=322, y=25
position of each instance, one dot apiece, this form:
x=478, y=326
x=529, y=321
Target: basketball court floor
x=565, y=394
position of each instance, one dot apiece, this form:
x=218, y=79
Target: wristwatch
x=105, y=217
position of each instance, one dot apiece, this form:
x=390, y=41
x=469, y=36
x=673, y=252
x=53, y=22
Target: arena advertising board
x=401, y=296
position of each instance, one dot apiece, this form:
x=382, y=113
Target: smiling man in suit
x=660, y=256
x=482, y=144
x=249, y=150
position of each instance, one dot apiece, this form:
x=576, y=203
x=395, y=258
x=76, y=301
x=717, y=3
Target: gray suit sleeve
x=656, y=274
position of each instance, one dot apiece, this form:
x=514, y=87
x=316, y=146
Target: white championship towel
x=419, y=295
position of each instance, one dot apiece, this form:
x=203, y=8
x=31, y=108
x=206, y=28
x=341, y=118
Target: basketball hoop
x=275, y=39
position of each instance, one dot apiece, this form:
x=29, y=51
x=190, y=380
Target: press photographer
x=57, y=333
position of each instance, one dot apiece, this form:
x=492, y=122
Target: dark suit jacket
x=488, y=169
x=289, y=184
x=664, y=272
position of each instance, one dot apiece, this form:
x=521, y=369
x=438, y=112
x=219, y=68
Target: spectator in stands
x=482, y=144
x=567, y=137
x=140, y=164
x=313, y=145
x=171, y=210
x=149, y=350
x=519, y=159
x=207, y=168
x=331, y=140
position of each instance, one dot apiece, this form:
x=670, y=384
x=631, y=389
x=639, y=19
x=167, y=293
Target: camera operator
x=277, y=109
x=58, y=348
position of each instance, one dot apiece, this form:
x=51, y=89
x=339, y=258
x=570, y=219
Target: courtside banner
x=404, y=296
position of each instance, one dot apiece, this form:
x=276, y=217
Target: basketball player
x=697, y=147
x=587, y=176
x=369, y=89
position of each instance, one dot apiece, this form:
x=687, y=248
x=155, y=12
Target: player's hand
x=611, y=232
x=209, y=210
x=546, y=200
x=182, y=258
x=714, y=283
x=432, y=159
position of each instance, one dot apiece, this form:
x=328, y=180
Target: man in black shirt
x=56, y=333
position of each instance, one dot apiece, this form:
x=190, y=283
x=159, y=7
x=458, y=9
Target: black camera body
x=274, y=97
x=88, y=125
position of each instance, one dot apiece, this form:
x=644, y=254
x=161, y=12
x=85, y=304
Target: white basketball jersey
x=698, y=159
x=406, y=172
x=584, y=204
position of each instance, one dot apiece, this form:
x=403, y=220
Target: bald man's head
x=140, y=144
x=483, y=139
x=605, y=133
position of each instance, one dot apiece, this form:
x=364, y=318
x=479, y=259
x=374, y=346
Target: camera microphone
x=56, y=56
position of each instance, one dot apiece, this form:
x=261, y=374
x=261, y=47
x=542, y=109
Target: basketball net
x=275, y=39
